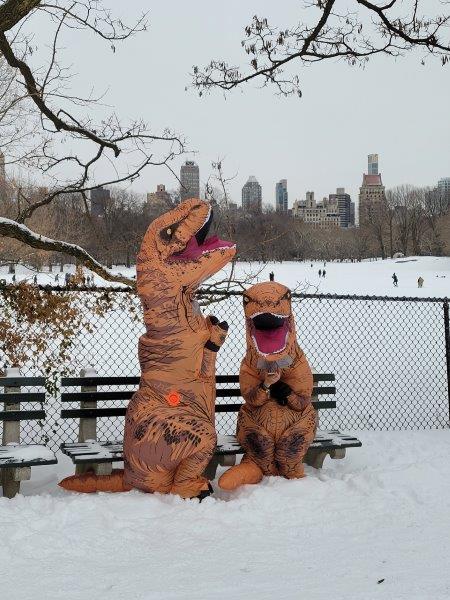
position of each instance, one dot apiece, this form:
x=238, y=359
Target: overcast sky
x=396, y=108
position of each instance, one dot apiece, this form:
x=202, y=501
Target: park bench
x=16, y=458
x=98, y=456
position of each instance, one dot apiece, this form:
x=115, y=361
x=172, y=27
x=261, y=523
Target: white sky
x=396, y=108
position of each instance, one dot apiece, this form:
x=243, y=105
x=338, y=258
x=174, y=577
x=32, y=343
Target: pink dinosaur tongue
x=272, y=340
x=193, y=250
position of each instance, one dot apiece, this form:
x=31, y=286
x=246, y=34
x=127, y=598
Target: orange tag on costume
x=173, y=398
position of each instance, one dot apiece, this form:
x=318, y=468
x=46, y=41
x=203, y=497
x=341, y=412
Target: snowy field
x=388, y=357
x=374, y=526
x=370, y=277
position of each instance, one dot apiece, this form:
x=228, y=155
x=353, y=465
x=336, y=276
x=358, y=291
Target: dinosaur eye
x=246, y=300
x=166, y=234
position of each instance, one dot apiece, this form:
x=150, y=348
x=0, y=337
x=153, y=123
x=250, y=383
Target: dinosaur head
x=177, y=247
x=269, y=320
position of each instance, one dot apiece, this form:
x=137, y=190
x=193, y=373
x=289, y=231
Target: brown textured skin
x=275, y=438
x=167, y=448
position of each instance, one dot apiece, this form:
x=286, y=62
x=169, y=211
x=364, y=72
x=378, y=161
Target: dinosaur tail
x=90, y=483
x=245, y=472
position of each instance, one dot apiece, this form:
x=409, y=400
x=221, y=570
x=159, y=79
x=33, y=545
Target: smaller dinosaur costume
x=275, y=426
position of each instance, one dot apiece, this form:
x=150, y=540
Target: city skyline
x=319, y=142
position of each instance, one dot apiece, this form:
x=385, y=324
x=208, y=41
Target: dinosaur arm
x=217, y=334
x=250, y=383
x=300, y=380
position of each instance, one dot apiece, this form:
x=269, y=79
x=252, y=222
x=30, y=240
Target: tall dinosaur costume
x=276, y=425
x=169, y=427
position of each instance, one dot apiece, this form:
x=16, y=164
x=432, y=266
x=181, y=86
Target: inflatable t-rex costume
x=169, y=428
x=275, y=425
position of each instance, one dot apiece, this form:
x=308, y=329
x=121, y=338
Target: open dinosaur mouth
x=199, y=244
x=269, y=332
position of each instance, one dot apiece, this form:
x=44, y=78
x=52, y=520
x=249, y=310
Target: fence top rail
x=228, y=293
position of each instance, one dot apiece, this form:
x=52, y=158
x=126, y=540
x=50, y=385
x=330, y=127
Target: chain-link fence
x=390, y=357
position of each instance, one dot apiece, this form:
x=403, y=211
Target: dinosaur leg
x=258, y=443
x=188, y=480
x=293, y=445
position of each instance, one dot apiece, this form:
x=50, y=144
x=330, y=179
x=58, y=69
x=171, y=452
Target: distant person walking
x=35, y=280
x=395, y=280
x=324, y=273
x=320, y=272
x=420, y=282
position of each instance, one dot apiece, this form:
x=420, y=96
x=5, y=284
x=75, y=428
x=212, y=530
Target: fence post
x=447, y=349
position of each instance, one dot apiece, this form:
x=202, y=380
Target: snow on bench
x=17, y=455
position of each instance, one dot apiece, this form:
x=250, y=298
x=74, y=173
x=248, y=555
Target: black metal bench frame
x=90, y=454
x=14, y=467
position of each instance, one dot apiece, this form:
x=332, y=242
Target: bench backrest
x=11, y=398
x=88, y=396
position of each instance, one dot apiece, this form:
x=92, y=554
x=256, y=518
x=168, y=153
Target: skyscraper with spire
x=372, y=197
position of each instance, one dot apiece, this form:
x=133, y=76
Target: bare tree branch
x=353, y=36
x=12, y=229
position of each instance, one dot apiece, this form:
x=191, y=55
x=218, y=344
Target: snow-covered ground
x=374, y=526
x=369, y=277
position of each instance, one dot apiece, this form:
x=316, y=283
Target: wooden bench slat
x=92, y=413
x=22, y=415
x=318, y=405
x=22, y=381
x=96, y=396
x=235, y=378
x=93, y=381
x=14, y=398
x=97, y=452
x=127, y=394
x=236, y=392
x=323, y=377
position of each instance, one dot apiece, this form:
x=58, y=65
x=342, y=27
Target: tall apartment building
x=443, y=187
x=321, y=215
x=160, y=198
x=190, y=180
x=252, y=195
x=372, y=197
x=344, y=204
x=100, y=198
x=281, y=196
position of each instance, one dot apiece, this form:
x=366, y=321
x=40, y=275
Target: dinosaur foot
x=205, y=493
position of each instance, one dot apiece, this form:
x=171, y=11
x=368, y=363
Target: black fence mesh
x=388, y=356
